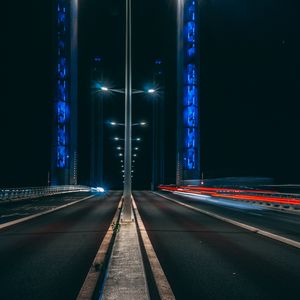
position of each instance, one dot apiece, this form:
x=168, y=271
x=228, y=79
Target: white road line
x=11, y=223
x=239, y=224
x=162, y=284
x=88, y=288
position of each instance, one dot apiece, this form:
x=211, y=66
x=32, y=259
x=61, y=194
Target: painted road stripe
x=162, y=284
x=90, y=283
x=15, y=222
x=239, y=224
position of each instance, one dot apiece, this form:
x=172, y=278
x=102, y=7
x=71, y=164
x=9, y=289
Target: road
x=48, y=257
x=19, y=209
x=205, y=258
x=285, y=224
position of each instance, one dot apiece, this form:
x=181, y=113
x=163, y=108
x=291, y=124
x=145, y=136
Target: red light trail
x=234, y=194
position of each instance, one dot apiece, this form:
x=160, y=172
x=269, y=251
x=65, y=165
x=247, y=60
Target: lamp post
x=127, y=202
x=126, y=215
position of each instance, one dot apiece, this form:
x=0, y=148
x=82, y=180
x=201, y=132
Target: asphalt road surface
x=19, y=209
x=205, y=258
x=285, y=224
x=49, y=257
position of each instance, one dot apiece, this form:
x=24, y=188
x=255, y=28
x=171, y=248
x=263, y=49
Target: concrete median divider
x=120, y=273
x=161, y=281
x=97, y=270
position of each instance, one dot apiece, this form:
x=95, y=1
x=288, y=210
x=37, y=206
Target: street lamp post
x=127, y=215
x=127, y=202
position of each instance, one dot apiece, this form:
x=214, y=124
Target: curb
x=161, y=281
x=89, y=286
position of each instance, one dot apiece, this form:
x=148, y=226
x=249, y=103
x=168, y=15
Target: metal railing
x=14, y=194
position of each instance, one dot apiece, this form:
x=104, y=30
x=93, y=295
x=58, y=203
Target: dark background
x=249, y=77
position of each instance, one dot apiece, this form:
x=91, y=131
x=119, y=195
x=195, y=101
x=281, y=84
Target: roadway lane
x=205, y=258
x=23, y=208
x=49, y=257
x=282, y=223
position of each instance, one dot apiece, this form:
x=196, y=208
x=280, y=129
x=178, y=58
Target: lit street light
x=122, y=124
x=134, y=139
x=127, y=215
x=122, y=91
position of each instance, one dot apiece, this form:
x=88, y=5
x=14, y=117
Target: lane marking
x=239, y=224
x=15, y=222
x=89, y=286
x=162, y=284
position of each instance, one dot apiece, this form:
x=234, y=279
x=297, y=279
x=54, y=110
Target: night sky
x=249, y=83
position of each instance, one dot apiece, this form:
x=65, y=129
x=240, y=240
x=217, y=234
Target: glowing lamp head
x=151, y=91
x=104, y=89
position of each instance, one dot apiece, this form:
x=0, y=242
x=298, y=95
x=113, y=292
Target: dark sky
x=249, y=82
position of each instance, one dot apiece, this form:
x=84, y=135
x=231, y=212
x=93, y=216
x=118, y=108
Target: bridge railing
x=14, y=194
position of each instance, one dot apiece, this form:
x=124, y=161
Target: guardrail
x=14, y=194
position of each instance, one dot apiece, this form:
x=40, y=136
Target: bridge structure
x=64, y=138
x=64, y=152
x=188, y=130
x=186, y=242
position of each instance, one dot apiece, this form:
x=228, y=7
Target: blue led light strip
x=62, y=106
x=190, y=102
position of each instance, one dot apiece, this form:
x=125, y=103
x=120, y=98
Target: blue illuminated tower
x=64, y=152
x=188, y=135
